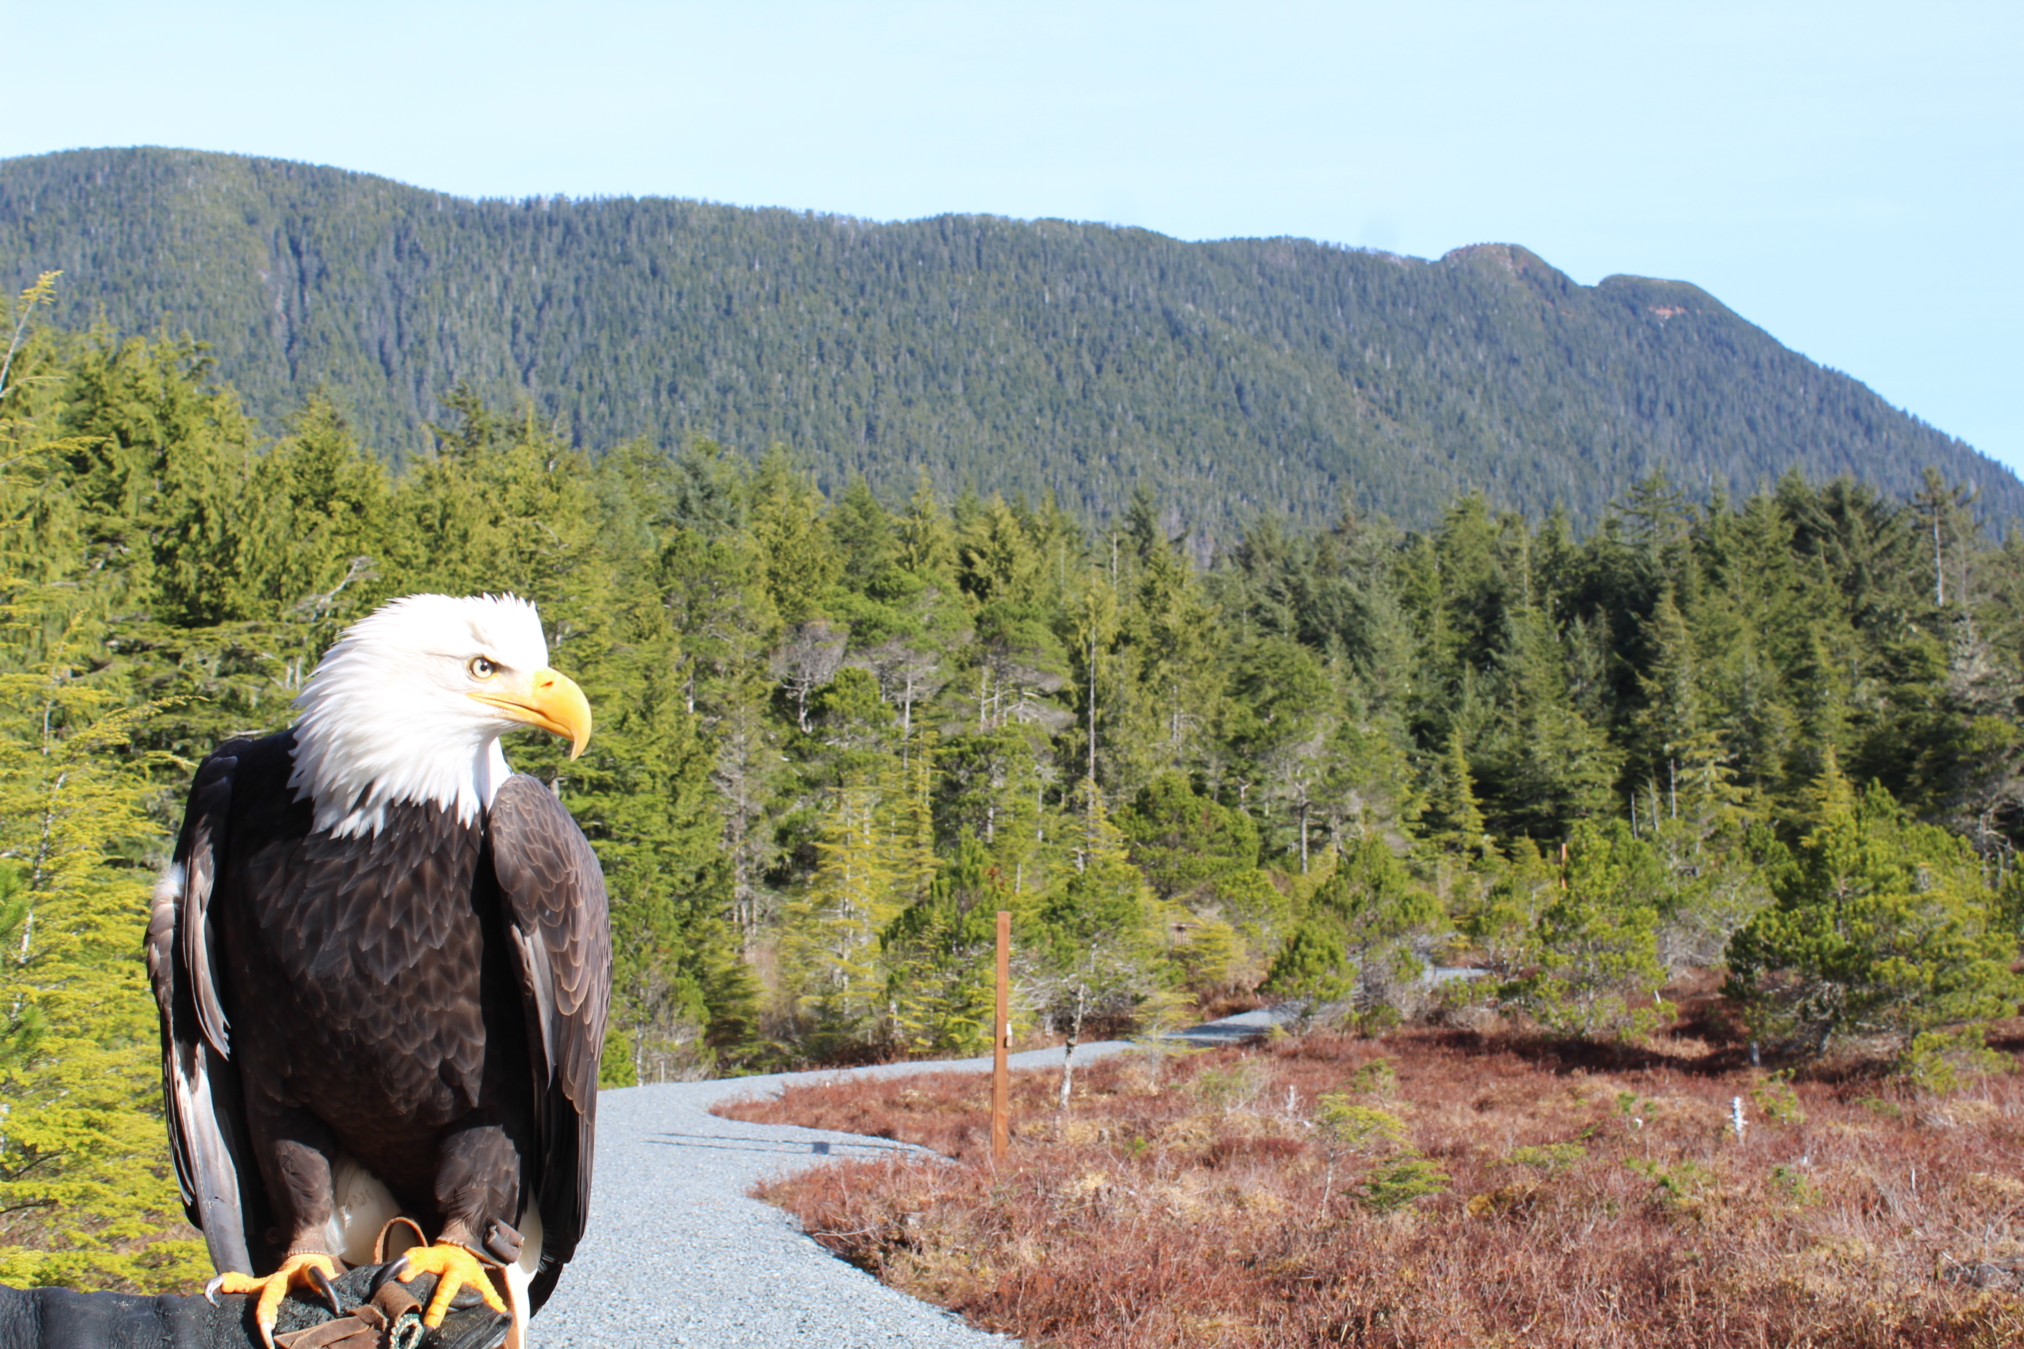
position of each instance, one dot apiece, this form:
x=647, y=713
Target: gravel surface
x=678, y=1255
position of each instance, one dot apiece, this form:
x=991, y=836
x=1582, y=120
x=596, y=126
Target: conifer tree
x=938, y=954
x=1672, y=716
x=320, y=550
x=1880, y=926
x=1174, y=667
x=158, y=463
x=1368, y=783
x=1276, y=726
x=87, y=1191
x=1500, y=925
x=924, y=537
x=1550, y=766
x=1092, y=630
x=1453, y=819
x=1190, y=848
x=863, y=533
x=830, y=952
x=1373, y=918
x=1098, y=932
x=682, y=1000
x=1594, y=948
x=798, y=560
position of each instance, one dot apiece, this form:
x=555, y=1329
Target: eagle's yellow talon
x=454, y=1266
x=297, y=1271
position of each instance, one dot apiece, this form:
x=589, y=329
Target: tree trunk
x=1092, y=708
x=1068, y=1049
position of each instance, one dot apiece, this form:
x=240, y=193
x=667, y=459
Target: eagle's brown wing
x=220, y=1183
x=556, y=909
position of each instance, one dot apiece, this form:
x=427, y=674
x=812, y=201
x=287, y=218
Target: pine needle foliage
x=87, y=1192
x=1880, y=927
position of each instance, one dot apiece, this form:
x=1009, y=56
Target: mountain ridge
x=1231, y=377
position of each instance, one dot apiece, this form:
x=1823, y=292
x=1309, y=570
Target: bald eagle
x=383, y=963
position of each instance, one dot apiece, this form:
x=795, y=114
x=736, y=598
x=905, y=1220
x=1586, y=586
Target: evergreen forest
x=1231, y=381
x=1776, y=734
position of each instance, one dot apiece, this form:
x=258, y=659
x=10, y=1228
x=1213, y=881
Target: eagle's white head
x=411, y=702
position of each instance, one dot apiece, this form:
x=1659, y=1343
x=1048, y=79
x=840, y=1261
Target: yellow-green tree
x=87, y=1191
x=1880, y=927
x=1593, y=948
x=830, y=950
x=938, y=955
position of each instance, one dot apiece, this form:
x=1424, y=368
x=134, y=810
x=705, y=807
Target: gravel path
x=678, y=1255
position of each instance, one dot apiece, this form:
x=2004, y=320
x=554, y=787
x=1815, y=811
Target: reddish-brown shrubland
x=1593, y=1198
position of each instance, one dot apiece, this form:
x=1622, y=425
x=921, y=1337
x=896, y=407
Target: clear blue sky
x=1850, y=176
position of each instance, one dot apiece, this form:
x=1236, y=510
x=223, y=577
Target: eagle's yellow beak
x=551, y=701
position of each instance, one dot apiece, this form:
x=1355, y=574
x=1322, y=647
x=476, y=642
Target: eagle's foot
x=310, y=1270
x=455, y=1267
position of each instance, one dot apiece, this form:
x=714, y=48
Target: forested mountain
x=1273, y=376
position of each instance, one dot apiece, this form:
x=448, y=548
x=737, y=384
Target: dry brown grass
x=1182, y=1201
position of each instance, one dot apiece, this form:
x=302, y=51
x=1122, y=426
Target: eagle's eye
x=481, y=668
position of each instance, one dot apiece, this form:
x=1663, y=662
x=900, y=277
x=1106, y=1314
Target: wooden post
x=1001, y=1125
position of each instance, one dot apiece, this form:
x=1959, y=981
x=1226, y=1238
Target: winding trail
x=678, y=1255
